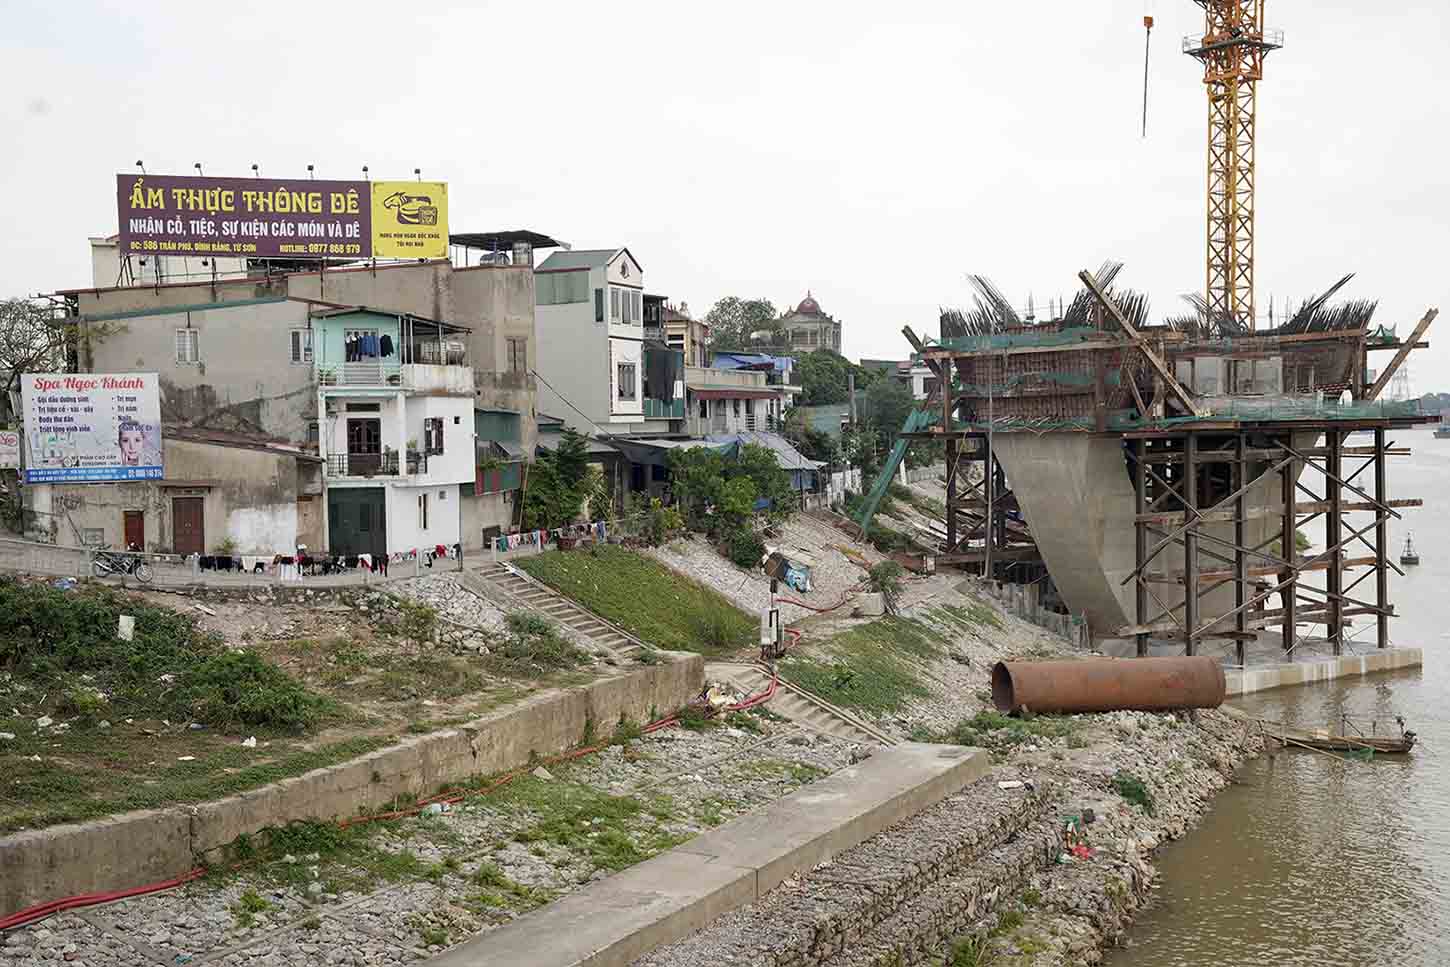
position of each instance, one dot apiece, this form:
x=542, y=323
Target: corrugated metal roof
x=786, y=455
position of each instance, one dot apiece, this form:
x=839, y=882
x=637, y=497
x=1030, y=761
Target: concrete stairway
x=797, y=705
x=539, y=597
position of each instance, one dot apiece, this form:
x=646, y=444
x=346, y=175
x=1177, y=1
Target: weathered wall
x=142, y=847
x=574, y=360
x=483, y=512
x=243, y=379
x=249, y=496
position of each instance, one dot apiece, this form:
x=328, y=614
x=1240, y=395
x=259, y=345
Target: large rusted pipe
x=1108, y=684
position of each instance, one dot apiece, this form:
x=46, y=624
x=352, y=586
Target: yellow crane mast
x=1232, y=49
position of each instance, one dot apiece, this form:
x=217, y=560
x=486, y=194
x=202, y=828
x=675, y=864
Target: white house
x=395, y=404
x=598, y=371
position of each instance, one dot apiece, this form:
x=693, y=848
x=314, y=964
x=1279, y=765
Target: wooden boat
x=1409, y=555
x=1326, y=741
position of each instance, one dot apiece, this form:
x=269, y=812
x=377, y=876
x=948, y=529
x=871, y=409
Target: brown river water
x=1310, y=861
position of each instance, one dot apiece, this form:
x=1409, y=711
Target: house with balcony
x=734, y=400
x=599, y=369
x=396, y=431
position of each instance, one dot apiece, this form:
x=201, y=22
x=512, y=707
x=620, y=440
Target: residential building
x=917, y=377
x=395, y=403
x=598, y=370
x=732, y=401
x=677, y=329
x=241, y=355
x=807, y=328
x=250, y=494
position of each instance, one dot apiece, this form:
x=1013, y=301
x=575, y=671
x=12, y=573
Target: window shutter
x=296, y=346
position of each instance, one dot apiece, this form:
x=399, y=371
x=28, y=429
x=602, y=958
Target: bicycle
x=108, y=562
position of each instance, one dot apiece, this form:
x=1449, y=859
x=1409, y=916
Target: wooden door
x=188, y=525
x=133, y=526
x=364, y=446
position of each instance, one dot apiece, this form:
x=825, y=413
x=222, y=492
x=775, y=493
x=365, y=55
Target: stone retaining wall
x=142, y=847
x=895, y=899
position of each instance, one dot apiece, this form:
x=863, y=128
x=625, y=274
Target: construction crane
x=1232, y=49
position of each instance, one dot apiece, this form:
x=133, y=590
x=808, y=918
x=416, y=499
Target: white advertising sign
x=9, y=449
x=92, y=427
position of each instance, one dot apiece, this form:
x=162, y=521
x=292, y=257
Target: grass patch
x=248, y=905
x=60, y=789
x=873, y=667
x=500, y=892
x=993, y=730
x=53, y=641
x=646, y=598
x=1131, y=788
x=533, y=648
x=613, y=832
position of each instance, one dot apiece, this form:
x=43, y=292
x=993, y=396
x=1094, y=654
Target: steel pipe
x=1108, y=684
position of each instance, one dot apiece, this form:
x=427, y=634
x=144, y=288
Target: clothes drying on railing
x=598, y=530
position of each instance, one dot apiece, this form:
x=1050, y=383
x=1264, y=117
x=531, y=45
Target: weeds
x=870, y=666
x=533, y=647
x=248, y=905
x=1131, y=788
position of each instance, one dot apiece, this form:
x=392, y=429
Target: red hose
x=41, y=911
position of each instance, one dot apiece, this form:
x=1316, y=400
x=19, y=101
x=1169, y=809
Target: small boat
x=1326, y=741
x=1409, y=555
x=1350, y=743
x=1442, y=432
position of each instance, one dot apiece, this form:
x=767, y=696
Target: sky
x=875, y=154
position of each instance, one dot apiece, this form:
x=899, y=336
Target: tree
x=713, y=488
x=824, y=376
x=29, y=343
x=888, y=402
x=732, y=320
x=558, y=484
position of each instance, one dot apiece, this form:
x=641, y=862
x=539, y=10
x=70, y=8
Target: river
x=1306, y=860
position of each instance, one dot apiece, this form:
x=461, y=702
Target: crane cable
x=1147, y=39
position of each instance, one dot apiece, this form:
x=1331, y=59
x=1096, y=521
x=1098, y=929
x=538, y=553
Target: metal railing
x=376, y=464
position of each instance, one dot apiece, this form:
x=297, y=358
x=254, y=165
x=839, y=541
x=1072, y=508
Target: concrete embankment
x=147, y=846
x=1262, y=678
x=614, y=921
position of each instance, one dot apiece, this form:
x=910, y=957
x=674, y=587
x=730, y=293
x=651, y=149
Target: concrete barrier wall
x=1244, y=681
x=142, y=847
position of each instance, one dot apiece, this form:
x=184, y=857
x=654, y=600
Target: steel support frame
x=1170, y=474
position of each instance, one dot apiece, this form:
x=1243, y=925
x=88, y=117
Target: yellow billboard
x=410, y=219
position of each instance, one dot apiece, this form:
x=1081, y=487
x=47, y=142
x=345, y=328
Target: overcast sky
x=872, y=153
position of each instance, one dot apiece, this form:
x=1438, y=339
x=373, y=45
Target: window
x=186, y=346
x=598, y=305
x=614, y=294
x=422, y=512
x=704, y=409
x=93, y=536
x=626, y=381
x=313, y=433
x=518, y=355
x=749, y=407
x=301, y=346
x=735, y=407
x=561, y=288
x=364, y=407
x=636, y=314
x=433, y=434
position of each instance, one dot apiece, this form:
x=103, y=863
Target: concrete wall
x=483, y=512
x=243, y=380
x=249, y=496
x=142, y=847
x=574, y=360
x=405, y=526
x=628, y=352
x=1077, y=496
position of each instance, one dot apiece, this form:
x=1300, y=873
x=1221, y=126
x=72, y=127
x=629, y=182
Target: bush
x=1131, y=788
x=533, y=646
x=170, y=669
x=238, y=689
x=745, y=548
x=662, y=523
x=885, y=578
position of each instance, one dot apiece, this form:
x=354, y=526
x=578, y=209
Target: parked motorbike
x=108, y=562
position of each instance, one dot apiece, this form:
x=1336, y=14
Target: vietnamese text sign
x=85, y=428
x=9, y=449
x=281, y=217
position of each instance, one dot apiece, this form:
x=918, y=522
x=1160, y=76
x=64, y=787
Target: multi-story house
x=807, y=328
x=240, y=355
x=735, y=400
x=598, y=370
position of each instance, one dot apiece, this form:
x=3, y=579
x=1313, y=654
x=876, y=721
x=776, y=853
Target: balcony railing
x=660, y=410
x=376, y=464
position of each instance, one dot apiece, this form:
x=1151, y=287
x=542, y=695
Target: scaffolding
x=1197, y=496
